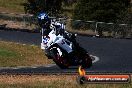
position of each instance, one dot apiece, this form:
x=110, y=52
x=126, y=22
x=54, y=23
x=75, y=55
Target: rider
x=48, y=24
x=45, y=21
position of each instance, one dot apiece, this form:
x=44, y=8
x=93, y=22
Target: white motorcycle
x=64, y=52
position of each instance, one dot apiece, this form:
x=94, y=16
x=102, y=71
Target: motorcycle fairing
x=53, y=39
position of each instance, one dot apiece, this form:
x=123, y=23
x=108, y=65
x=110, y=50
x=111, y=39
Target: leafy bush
x=101, y=10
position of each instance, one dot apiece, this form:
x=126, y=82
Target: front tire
x=61, y=61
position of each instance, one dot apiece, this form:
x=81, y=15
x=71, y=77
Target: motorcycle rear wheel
x=87, y=61
x=85, y=57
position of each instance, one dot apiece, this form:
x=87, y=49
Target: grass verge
x=50, y=81
x=13, y=54
x=12, y=6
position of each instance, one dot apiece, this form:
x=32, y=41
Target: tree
x=49, y=6
x=101, y=10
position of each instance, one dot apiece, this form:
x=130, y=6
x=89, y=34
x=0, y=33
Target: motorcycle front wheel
x=61, y=61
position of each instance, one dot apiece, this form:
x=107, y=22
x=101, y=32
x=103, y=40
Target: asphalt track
x=115, y=55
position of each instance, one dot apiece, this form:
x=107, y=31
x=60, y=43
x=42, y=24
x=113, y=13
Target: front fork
x=54, y=49
x=42, y=37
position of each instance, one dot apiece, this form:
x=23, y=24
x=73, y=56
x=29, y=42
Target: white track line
x=96, y=59
x=50, y=65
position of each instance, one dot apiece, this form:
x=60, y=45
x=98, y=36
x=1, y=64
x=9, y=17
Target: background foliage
x=49, y=6
x=101, y=10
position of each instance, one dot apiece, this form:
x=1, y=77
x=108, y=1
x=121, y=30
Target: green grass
x=4, y=53
x=12, y=54
x=12, y=5
x=9, y=57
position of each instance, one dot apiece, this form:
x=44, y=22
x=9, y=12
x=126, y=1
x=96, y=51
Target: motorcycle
x=64, y=52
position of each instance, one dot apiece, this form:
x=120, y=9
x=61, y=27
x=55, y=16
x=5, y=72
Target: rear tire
x=87, y=61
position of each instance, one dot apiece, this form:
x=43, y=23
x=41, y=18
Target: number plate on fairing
x=46, y=40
